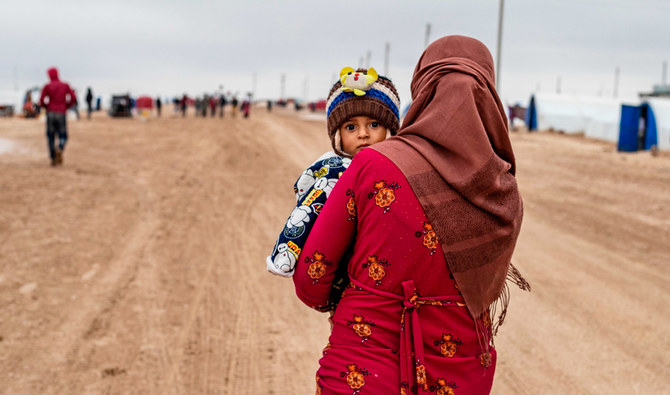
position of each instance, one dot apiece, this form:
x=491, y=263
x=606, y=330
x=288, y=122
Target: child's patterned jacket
x=311, y=191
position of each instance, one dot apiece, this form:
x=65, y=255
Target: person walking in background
x=30, y=110
x=233, y=106
x=57, y=97
x=159, y=105
x=246, y=106
x=429, y=220
x=89, y=103
x=204, y=103
x=184, y=101
x=212, y=106
x=75, y=106
x=196, y=106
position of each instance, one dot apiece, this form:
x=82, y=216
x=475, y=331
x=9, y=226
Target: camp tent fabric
x=596, y=117
x=144, y=102
x=531, y=114
x=660, y=115
x=13, y=99
x=629, y=131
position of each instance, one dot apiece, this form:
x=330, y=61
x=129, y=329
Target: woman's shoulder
x=372, y=156
x=370, y=159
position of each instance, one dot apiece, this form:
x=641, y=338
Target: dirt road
x=138, y=267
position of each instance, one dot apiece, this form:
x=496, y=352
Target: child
x=362, y=108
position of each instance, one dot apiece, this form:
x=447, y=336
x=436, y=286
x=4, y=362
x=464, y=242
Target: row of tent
x=634, y=124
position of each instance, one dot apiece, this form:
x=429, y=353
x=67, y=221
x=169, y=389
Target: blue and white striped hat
x=378, y=100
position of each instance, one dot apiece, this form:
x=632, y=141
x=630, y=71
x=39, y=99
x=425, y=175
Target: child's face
x=360, y=132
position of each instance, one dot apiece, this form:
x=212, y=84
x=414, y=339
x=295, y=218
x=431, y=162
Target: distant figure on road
x=57, y=97
x=75, y=105
x=29, y=108
x=184, y=101
x=204, y=102
x=269, y=105
x=212, y=106
x=246, y=106
x=233, y=106
x=89, y=103
x=159, y=105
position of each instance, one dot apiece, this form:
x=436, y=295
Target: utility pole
x=665, y=72
x=282, y=86
x=427, y=35
x=368, y=55
x=387, y=50
x=616, y=82
x=499, y=49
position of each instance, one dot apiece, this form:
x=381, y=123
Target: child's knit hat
x=361, y=93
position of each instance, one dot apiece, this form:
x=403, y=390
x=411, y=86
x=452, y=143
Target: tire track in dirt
x=266, y=355
x=170, y=348
x=240, y=298
x=90, y=319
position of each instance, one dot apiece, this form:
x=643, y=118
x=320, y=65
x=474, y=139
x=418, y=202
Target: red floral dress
x=401, y=326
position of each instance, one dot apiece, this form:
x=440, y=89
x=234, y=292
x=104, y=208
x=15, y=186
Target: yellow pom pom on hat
x=357, y=82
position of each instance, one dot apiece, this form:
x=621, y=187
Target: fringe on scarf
x=486, y=329
x=514, y=277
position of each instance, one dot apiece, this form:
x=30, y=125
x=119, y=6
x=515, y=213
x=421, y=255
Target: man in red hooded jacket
x=57, y=97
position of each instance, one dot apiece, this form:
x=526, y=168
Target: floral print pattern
x=361, y=326
x=430, y=239
x=486, y=317
x=351, y=205
x=376, y=269
x=317, y=266
x=355, y=377
x=384, y=194
x=442, y=387
x=421, y=377
x=485, y=360
x=318, y=385
x=448, y=345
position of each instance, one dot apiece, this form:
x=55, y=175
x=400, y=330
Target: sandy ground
x=138, y=267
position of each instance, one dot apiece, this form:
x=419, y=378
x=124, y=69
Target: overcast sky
x=173, y=47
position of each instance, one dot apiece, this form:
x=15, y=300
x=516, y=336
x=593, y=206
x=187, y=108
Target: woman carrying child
x=430, y=220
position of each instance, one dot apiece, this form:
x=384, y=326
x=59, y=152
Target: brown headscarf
x=455, y=151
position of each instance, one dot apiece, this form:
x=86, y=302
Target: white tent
x=596, y=117
x=660, y=108
x=12, y=98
